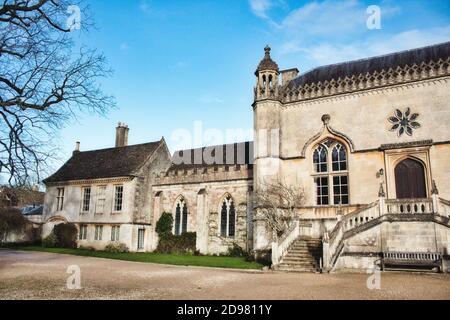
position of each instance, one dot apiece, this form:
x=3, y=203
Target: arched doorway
x=410, y=179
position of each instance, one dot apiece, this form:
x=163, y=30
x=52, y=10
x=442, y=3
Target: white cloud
x=260, y=7
x=325, y=53
x=209, y=99
x=327, y=17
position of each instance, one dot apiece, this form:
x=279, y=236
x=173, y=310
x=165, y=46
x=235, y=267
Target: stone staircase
x=302, y=256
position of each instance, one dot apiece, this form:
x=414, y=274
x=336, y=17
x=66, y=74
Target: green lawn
x=174, y=259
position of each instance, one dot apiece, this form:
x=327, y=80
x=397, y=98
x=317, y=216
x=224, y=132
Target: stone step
x=316, y=252
x=305, y=247
x=287, y=268
x=307, y=258
x=302, y=245
x=299, y=255
x=307, y=244
x=309, y=241
x=297, y=261
x=309, y=264
x=302, y=256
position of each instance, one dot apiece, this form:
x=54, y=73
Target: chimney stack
x=288, y=75
x=122, y=135
x=77, y=148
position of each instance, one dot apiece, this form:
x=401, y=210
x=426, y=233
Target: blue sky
x=177, y=62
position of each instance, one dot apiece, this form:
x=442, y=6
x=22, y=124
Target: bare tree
x=278, y=203
x=45, y=81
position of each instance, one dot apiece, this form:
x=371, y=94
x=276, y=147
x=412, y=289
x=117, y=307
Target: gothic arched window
x=331, y=173
x=227, y=217
x=181, y=217
x=320, y=159
x=339, y=158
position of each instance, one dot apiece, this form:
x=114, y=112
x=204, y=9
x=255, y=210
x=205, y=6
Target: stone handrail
x=438, y=209
x=361, y=216
x=333, y=246
x=280, y=247
x=444, y=207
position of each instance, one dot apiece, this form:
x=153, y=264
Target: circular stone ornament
x=404, y=122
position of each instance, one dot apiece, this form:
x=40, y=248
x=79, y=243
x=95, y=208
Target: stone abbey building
x=368, y=141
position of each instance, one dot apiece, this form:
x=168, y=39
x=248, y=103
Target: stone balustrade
x=334, y=241
x=280, y=247
x=409, y=206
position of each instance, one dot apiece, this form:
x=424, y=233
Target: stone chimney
x=288, y=75
x=122, y=135
x=77, y=148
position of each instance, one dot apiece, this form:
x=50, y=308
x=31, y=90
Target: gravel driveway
x=36, y=275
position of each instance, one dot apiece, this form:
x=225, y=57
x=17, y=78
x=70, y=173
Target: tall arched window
x=331, y=173
x=181, y=217
x=228, y=217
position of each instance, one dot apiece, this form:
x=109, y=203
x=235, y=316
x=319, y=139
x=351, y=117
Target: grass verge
x=173, y=259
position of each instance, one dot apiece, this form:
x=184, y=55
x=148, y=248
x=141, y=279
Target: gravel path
x=36, y=275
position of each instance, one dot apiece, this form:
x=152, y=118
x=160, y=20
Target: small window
x=228, y=218
x=101, y=199
x=118, y=198
x=141, y=237
x=83, y=232
x=60, y=199
x=181, y=217
x=115, y=233
x=98, y=233
x=85, y=204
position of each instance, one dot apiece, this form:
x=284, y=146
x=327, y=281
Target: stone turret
x=267, y=78
x=267, y=123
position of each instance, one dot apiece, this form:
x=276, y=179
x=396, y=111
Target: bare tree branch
x=44, y=83
x=278, y=203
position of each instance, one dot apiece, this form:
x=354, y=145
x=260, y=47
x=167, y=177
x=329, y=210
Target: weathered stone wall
x=203, y=193
x=360, y=121
x=365, y=247
x=157, y=164
x=73, y=196
x=363, y=116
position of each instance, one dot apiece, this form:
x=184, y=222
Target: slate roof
x=243, y=149
x=104, y=163
x=369, y=65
